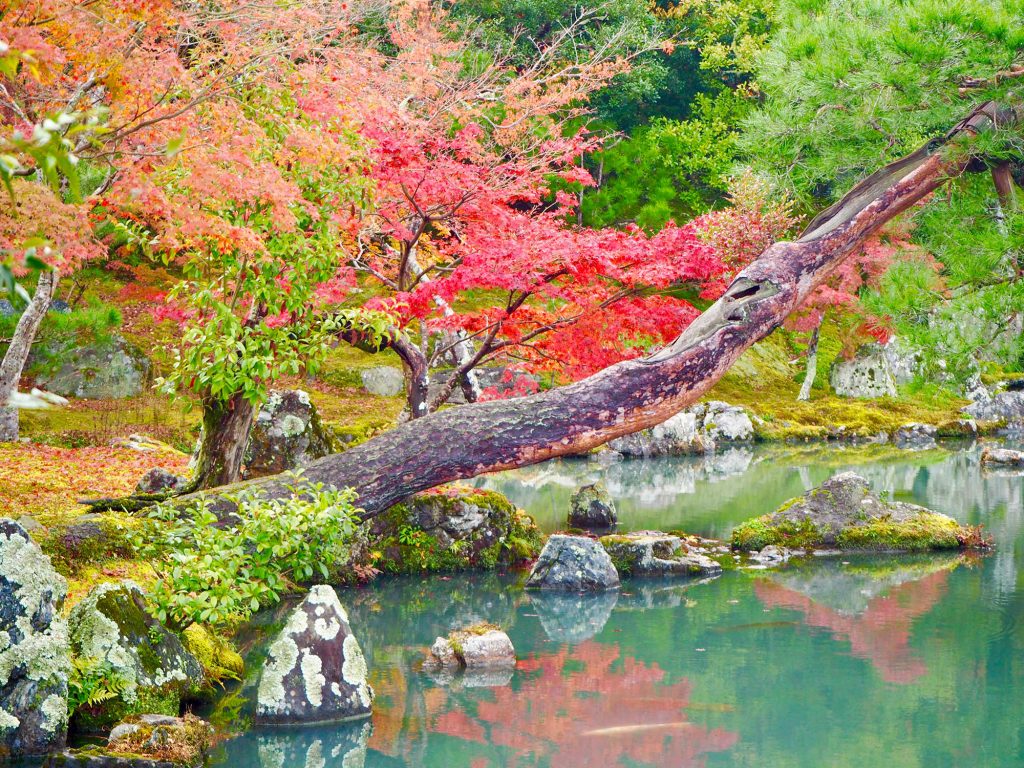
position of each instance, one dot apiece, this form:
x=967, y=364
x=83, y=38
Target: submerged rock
x=112, y=626
x=653, y=553
x=843, y=513
x=287, y=434
x=573, y=564
x=591, y=506
x=1002, y=457
x=107, y=370
x=481, y=647
x=34, y=648
x=451, y=529
x=315, y=671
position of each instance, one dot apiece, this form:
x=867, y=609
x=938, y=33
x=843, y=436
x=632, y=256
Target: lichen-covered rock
x=159, y=480
x=676, y=436
x=1005, y=407
x=722, y=422
x=592, y=507
x=34, y=665
x=384, y=381
x=573, y=564
x=315, y=671
x=653, y=553
x=915, y=437
x=107, y=370
x=843, y=513
x=111, y=625
x=451, y=529
x=179, y=740
x=287, y=434
x=1002, y=457
x=868, y=375
x=480, y=647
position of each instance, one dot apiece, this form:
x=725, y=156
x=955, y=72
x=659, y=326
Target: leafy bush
x=219, y=574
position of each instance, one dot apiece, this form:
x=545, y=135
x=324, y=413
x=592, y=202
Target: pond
x=898, y=661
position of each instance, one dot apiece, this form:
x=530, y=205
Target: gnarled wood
x=636, y=394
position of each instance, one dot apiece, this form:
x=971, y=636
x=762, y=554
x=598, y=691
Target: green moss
x=102, y=717
x=763, y=531
x=924, y=532
x=76, y=544
x=219, y=660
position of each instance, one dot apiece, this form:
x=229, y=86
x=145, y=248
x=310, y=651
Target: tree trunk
x=226, y=427
x=812, y=364
x=636, y=394
x=17, y=353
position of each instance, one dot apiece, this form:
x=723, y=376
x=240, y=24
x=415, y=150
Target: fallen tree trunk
x=629, y=396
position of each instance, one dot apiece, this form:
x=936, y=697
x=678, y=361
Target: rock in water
x=1007, y=407
x=108, y=370
x=481, y=647
x=573, y=564
x=111, y=624
x=915, y=437
x=867, y=375
x=725, y=423
x=34, y=648
x=591, y=507
x=653, y=553
x=843, y=513
x=1003, y=456
x=676, y=436
x=316, y=671
x=287, y=434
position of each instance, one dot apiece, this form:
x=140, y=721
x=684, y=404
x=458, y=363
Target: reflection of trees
x=586, y=706
x=880, y=632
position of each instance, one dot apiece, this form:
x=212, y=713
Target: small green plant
x=220, y=574
x=93, y=682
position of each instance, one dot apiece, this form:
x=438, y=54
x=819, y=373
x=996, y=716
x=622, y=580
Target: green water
x=899, y=661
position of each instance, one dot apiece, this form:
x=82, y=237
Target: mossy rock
x=452, y=529
x=89, y=538
x=219, y=660
x=155, y=670
x=843, y=513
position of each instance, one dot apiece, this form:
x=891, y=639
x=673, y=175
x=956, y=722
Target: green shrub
x=219, y=574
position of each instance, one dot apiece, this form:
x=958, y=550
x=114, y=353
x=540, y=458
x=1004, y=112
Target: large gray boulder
x=724, y=423
x=287, y=434
x=315, y=671
x=868, y=375
x=676, y=436
x=843, y=513
x=111, y=369
x=1004, y=457
x=34, y=665
x=112, y=626
x=653, y=553
x=573, y=564
x=1007, y=407
x=592, y=507
x=384, y=381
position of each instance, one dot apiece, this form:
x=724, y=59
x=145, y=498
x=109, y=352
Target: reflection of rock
x=340, y=745
x=315, y=671
x=591, y=507
x=573, y=617
x=653, y=594
x=653, y=553
x=573, y=563
x=844, y=513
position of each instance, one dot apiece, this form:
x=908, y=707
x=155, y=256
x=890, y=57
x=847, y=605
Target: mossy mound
x=843, y=513
x=452, y=529
x=219, y=660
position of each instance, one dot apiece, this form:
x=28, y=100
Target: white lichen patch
x=353, y=670
x=324, y=595
x=283, y=655
x=8, y=722
x=312, y=678
x=315, y=755
x=55, y=713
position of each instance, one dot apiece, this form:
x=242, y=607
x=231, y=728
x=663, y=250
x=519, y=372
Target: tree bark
x=17, y=353
x=226, y=427
x=636, y=394
x=812, y=364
